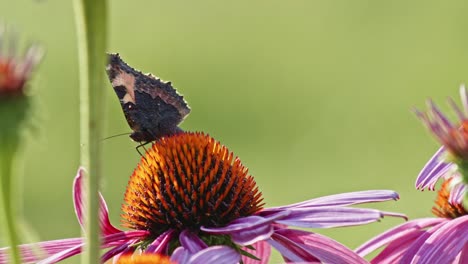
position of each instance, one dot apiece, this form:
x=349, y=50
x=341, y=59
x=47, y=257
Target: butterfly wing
x=152, y=107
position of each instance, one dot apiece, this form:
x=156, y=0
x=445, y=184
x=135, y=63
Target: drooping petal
x=434, y=169
x=397, y=249
x=446, y=243
x=161, y=243
x=32, y=253
x=245, y=223
x=262, y=251
x=457, y=193
x=343, y=199
x=62, y=255
x=248, y=230
x=108, y=241
x=191, y=242
x=180, y=255
x=409, y=256
x=116, y=251
x=79, y=201
x=463, y=257
x=215, y=254
x=302, y=246
x=397, y=233
x=332, y=216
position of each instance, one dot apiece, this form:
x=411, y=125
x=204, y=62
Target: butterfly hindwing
x=153, y=108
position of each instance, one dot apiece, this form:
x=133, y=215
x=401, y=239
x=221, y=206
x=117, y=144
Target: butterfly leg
x=142, y=145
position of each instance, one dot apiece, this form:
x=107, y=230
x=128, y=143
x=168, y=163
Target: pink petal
x=161, y=243
x=62, y=255
x=180, y=255
x=262, y=251
x=332, y=216
x=250, y=229
x=434, y=169
x=191, y=242
x=302, y=246
x=243, y=223
x=215, y=254
x=106, y=227
x=116, y=251
x=342, y=199
x=32, y=253
x=446, y=243
x=396, y=249
x=396, y=233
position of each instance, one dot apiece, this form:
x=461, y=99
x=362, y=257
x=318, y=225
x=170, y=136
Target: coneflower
x=190, y=194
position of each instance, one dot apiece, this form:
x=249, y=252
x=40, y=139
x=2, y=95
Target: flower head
x=440, y=239
x=427, y=240
x=190, y=199
x=15, y=70
x=453, y=155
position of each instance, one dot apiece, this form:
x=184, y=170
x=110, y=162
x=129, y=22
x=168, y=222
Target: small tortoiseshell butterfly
x=153, y=108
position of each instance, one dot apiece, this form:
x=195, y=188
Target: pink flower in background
x=453, y=155
x=15, y=70
x=427, y=240
x=442, y=239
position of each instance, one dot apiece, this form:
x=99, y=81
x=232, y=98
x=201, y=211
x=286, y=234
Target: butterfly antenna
x=118, y=135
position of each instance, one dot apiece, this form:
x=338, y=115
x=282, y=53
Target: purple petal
x=262, y=251
x=409, y=256
x=180, y=255
x=118, y=250
x=62, y=255
x=124, y=236
x=191, y=242
x=432, y=171
x=439, y=115
x=215, y=254
x=250, y=229
x=32, y=253
x=397, y=233
x=457, y=193
x=78, y=200
x=302, y=246
x=248, y=222
x=161, y=243
x=327, y=217
x=396, y=249
x=342, y=199
x=463, y=258
x=446, y=243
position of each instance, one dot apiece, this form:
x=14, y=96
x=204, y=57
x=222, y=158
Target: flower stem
x=13, y=113
x=7, y=200
x=91, y=25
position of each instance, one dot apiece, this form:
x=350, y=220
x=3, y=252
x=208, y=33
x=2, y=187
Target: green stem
x=91, y=25
x=6, y=199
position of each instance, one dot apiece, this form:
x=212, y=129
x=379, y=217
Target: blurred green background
x=313, y=96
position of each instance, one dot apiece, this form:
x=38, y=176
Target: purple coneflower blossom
x=442, y=239
x=15, y=70
x=190, y=199
x=427, y=240
x=453, y=155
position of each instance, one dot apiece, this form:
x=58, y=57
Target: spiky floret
x=443, y=207
x=186, y=181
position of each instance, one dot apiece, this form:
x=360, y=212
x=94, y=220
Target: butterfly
x=152, y=107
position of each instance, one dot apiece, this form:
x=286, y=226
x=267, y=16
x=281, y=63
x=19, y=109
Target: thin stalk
x=6, y=199
x=91, y=26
